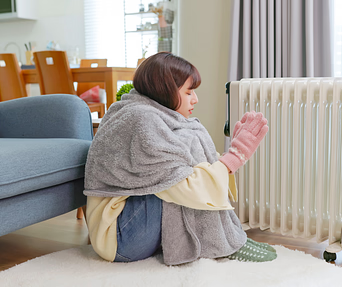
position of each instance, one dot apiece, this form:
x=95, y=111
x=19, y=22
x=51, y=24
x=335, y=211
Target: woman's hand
x=247, y=135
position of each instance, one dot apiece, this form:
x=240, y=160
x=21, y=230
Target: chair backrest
x=90, y=63
x=54, y=72
x=12, y=84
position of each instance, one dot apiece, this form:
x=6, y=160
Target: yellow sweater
x=207, y=188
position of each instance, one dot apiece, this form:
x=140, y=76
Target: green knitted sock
x=251, y=253
x=261, y=245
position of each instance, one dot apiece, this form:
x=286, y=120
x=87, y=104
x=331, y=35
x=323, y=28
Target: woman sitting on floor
x=154, y=179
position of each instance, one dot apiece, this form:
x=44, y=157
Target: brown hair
x=160, y=76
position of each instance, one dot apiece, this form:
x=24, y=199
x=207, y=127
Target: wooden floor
x=52, y=235
x=66, y=231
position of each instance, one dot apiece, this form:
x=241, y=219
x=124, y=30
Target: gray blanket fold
x=141, y=148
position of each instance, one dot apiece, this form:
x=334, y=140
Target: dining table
x=108, y=75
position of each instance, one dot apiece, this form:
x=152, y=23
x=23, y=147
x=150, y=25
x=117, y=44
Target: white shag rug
x=82, y=267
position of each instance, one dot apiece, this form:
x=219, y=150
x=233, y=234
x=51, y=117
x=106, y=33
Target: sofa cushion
x=31, y=164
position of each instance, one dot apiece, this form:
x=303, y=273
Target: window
x=104, y=31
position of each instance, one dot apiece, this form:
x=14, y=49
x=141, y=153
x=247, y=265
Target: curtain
x=280, y=38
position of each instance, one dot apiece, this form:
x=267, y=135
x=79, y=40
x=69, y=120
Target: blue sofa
x=44, y=142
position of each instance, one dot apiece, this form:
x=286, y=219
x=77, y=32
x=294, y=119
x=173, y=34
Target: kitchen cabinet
x=6, y=6
x=13, y=10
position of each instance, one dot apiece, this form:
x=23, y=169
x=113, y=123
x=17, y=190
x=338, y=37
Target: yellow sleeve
x=102, y=213
x=208, y=188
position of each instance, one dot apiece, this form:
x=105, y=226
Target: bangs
x=183, y=70
x=196, y=79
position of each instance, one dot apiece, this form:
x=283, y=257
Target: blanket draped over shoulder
x=143, y=148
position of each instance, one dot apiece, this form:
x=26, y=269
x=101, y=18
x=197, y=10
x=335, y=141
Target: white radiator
x=293, y=182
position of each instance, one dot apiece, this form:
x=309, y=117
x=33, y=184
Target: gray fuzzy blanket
x=141, y=148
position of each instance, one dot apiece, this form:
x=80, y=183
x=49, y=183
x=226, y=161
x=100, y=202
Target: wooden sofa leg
x=79, y=213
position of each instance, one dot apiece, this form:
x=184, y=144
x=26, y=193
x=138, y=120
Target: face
x=189, y=99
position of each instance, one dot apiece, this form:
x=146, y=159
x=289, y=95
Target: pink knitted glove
x=238, y=125
x=247, y=136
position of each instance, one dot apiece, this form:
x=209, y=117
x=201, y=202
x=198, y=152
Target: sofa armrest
x=46, y=116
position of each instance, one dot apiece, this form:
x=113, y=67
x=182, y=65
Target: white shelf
x=147, y=14
x=143, y=31
x=146, y=37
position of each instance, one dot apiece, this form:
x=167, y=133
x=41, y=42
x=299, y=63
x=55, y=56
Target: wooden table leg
x=111, y=85
x=96, y=123
x=28, y=90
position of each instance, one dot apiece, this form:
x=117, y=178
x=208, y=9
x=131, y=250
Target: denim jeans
x=139, y=228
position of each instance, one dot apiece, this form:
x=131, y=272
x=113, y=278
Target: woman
x=153, y=178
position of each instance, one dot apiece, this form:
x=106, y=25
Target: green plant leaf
x=125, y=89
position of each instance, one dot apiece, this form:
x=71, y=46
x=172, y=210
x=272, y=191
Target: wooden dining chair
x=90, y=63
x=11, y=80
x=55, y=76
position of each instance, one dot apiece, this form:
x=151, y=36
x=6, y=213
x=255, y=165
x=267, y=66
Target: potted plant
x=125, y=89
x=144, y=51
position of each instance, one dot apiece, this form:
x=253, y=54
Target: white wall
x=61, y=21
x=203, y=41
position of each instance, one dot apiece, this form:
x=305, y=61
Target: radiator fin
x=292, y=184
